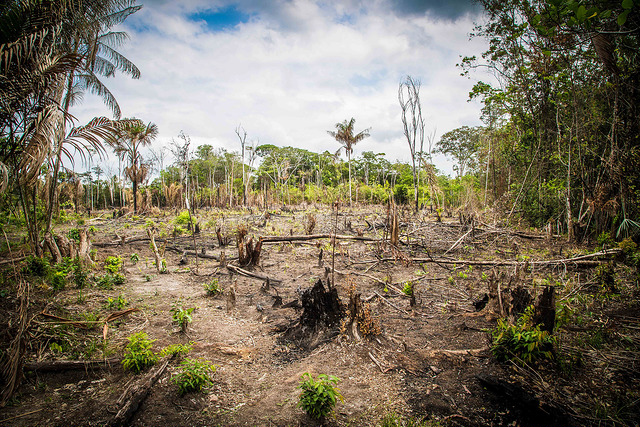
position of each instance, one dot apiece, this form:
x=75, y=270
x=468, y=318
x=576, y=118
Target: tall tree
x=344, y=134
x=133, y=136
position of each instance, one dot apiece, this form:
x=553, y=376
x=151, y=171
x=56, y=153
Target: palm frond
x=629, y=227
x=119, y=61
x=95, y=86
x=92, y=136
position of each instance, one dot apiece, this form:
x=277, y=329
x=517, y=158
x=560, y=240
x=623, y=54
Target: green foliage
x=605, y=276
x=407, y=289
x=138, y=354
x=182, y=316
x=194, y=375
x=523, y=342
x=177, y=349
x=134, y=258
x=113, y=264
x=605, y=240
x=36, y=266
x=74, y=234
x=318, y=397
x=183, y=218
x=118, y=303
x=213, y=288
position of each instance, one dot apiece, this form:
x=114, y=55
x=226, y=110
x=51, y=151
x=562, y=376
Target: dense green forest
x=559, y=147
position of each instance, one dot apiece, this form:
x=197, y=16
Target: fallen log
x=243, y=272
x=70, y=365
x=9, y=261
x=135, y=394
x=301, y=238
x=582, y=260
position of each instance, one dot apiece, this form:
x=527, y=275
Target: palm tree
x=134, y=135
x=344, y=135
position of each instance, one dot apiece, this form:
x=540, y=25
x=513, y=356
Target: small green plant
x=176, y=349
x=523, y=342
x=605, y=240
x=319, y=396
x=147, y=277
x=163, y=266
x=92, y=229
x=134, y=258
x=118, y=303
x=194, y=375
x=113, y=264
x=138, y=353
x=213, y=288
x=407, y=289
x=182, y=316
x=59, y=280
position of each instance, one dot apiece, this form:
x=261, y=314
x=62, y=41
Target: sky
x=288, y=70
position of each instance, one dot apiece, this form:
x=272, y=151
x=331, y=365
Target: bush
x=213, y=288
x=113, y=264
x=183, y=218
x=138, y=354
x=523, y=342
x=320, y=396
x=194, y=375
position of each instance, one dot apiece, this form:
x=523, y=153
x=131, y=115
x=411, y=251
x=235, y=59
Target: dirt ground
x=431, y=359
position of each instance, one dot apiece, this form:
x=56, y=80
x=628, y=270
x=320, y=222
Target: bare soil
x=430, y=359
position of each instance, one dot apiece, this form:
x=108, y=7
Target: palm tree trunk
x=349, y=162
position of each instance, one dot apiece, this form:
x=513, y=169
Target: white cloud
x=291, y=72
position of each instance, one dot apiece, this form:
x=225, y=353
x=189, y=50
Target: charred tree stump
x=248, y=253
x=545, y=310
x=322, y=312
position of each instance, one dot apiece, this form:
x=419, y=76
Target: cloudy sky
x=289, y=70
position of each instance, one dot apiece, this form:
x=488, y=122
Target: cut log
x=70, y=365
x=135, y=394
x=298, y=238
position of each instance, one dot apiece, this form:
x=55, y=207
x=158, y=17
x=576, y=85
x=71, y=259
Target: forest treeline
x=559, y=144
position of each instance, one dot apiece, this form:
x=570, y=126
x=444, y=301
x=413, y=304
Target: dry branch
x=135, y=394
x=12, y=260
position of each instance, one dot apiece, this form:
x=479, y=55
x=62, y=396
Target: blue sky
x=289, y=70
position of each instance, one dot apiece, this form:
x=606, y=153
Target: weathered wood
x=243, y=272
x=134, y=395
x=12, y=260
x=299, y=238
x=70, y=365
x=155, y=250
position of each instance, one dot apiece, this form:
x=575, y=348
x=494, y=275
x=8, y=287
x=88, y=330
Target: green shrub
x=523, y=342
x=407, y=289
x=138, y=354
x=134, y=258
x=183, y=219
x=80, y=276
x=194, y=375
x=113, y=264
x=318, y=397
x=213, y=288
